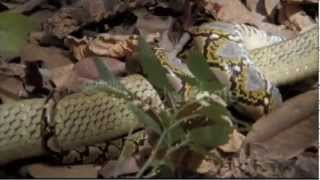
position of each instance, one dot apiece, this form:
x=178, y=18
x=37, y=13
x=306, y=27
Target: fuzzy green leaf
x=102, y=86
x=106, y=75
x=143, y=117
x=175, y=134
x=217, y=113
x=161, y=169
x=218, y=129
x=210, y=136
x=14, y=31
x=200, y=69
x=154, y=71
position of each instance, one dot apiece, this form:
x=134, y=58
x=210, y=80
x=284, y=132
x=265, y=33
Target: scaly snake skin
x=88, y=118
x=81, y=119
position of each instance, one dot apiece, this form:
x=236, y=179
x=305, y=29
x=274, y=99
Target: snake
x=94, y=116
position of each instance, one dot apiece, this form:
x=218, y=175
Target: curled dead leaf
x=87, y=68
x=295, y=17
x=11, y=89
x=115, y=169
x=287, y=131
x=271, y=7
x=65, y=77
x=151, y=26
x=52, y=57
x=234, y=144
x=48, y=171
x=107, y=45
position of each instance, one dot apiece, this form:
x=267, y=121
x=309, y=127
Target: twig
x=161, y=139
x=28, y=6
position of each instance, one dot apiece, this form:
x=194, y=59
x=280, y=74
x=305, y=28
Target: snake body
x=291, y=60
x=80, y=119
x=87, y=118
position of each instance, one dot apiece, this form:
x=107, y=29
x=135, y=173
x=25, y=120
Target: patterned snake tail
x=291, y=60
x=81, y=119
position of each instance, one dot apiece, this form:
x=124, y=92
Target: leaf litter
x=63, y=51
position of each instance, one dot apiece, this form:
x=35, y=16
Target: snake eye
x=214, y=36
x=237, y=69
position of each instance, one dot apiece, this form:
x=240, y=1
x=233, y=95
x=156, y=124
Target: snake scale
x=87, y=118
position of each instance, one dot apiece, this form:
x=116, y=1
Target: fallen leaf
x=226, y=13
x=76, y=171
x=302, y=1
x=256, y=6
x=151, y=26
x=108, y=45
x=87, y=67
x=11, y=89
x=65, y=77
x=287, y=131
x=14, y=30
x=308, y=167
x=234, y=144
x=295, y=17
x=271, y=7
x=28, y=6
x=52, y=57
x=115, y=169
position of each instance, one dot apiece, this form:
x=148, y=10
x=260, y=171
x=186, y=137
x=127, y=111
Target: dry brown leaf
x=28, y=6
x=81, y=13
x=271, y=7
x=256, y=6
x=294, y=17
x=88, y=69
x=65, y=77
x=151, y=26
x=11, y=89
x=264, y=7
x=53, y=57
x=77, y=171
x=225, y=11
x=288, y=130
x=115, y=169
x=308, y=167
x=12, y=69
x=207, y=166
x=73, y=76
x=301, y=1
x=234, y=144
x=107, y=45
x=42, y=15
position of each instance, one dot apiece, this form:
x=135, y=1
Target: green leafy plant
x=189, y=124
x=14, y=31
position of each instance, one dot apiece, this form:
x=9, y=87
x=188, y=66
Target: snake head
x=251, y=93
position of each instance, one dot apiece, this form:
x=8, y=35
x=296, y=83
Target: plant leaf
x=154, y=71
x=175, y=134
x=161, y=169
x=145, y=119
x=201, y=70
x=107, y=76
x=14, y=30
x=102, y=86
x=217, y=113
x=218, y=129
x=210, y=136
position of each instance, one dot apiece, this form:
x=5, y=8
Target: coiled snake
x=91, y=117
